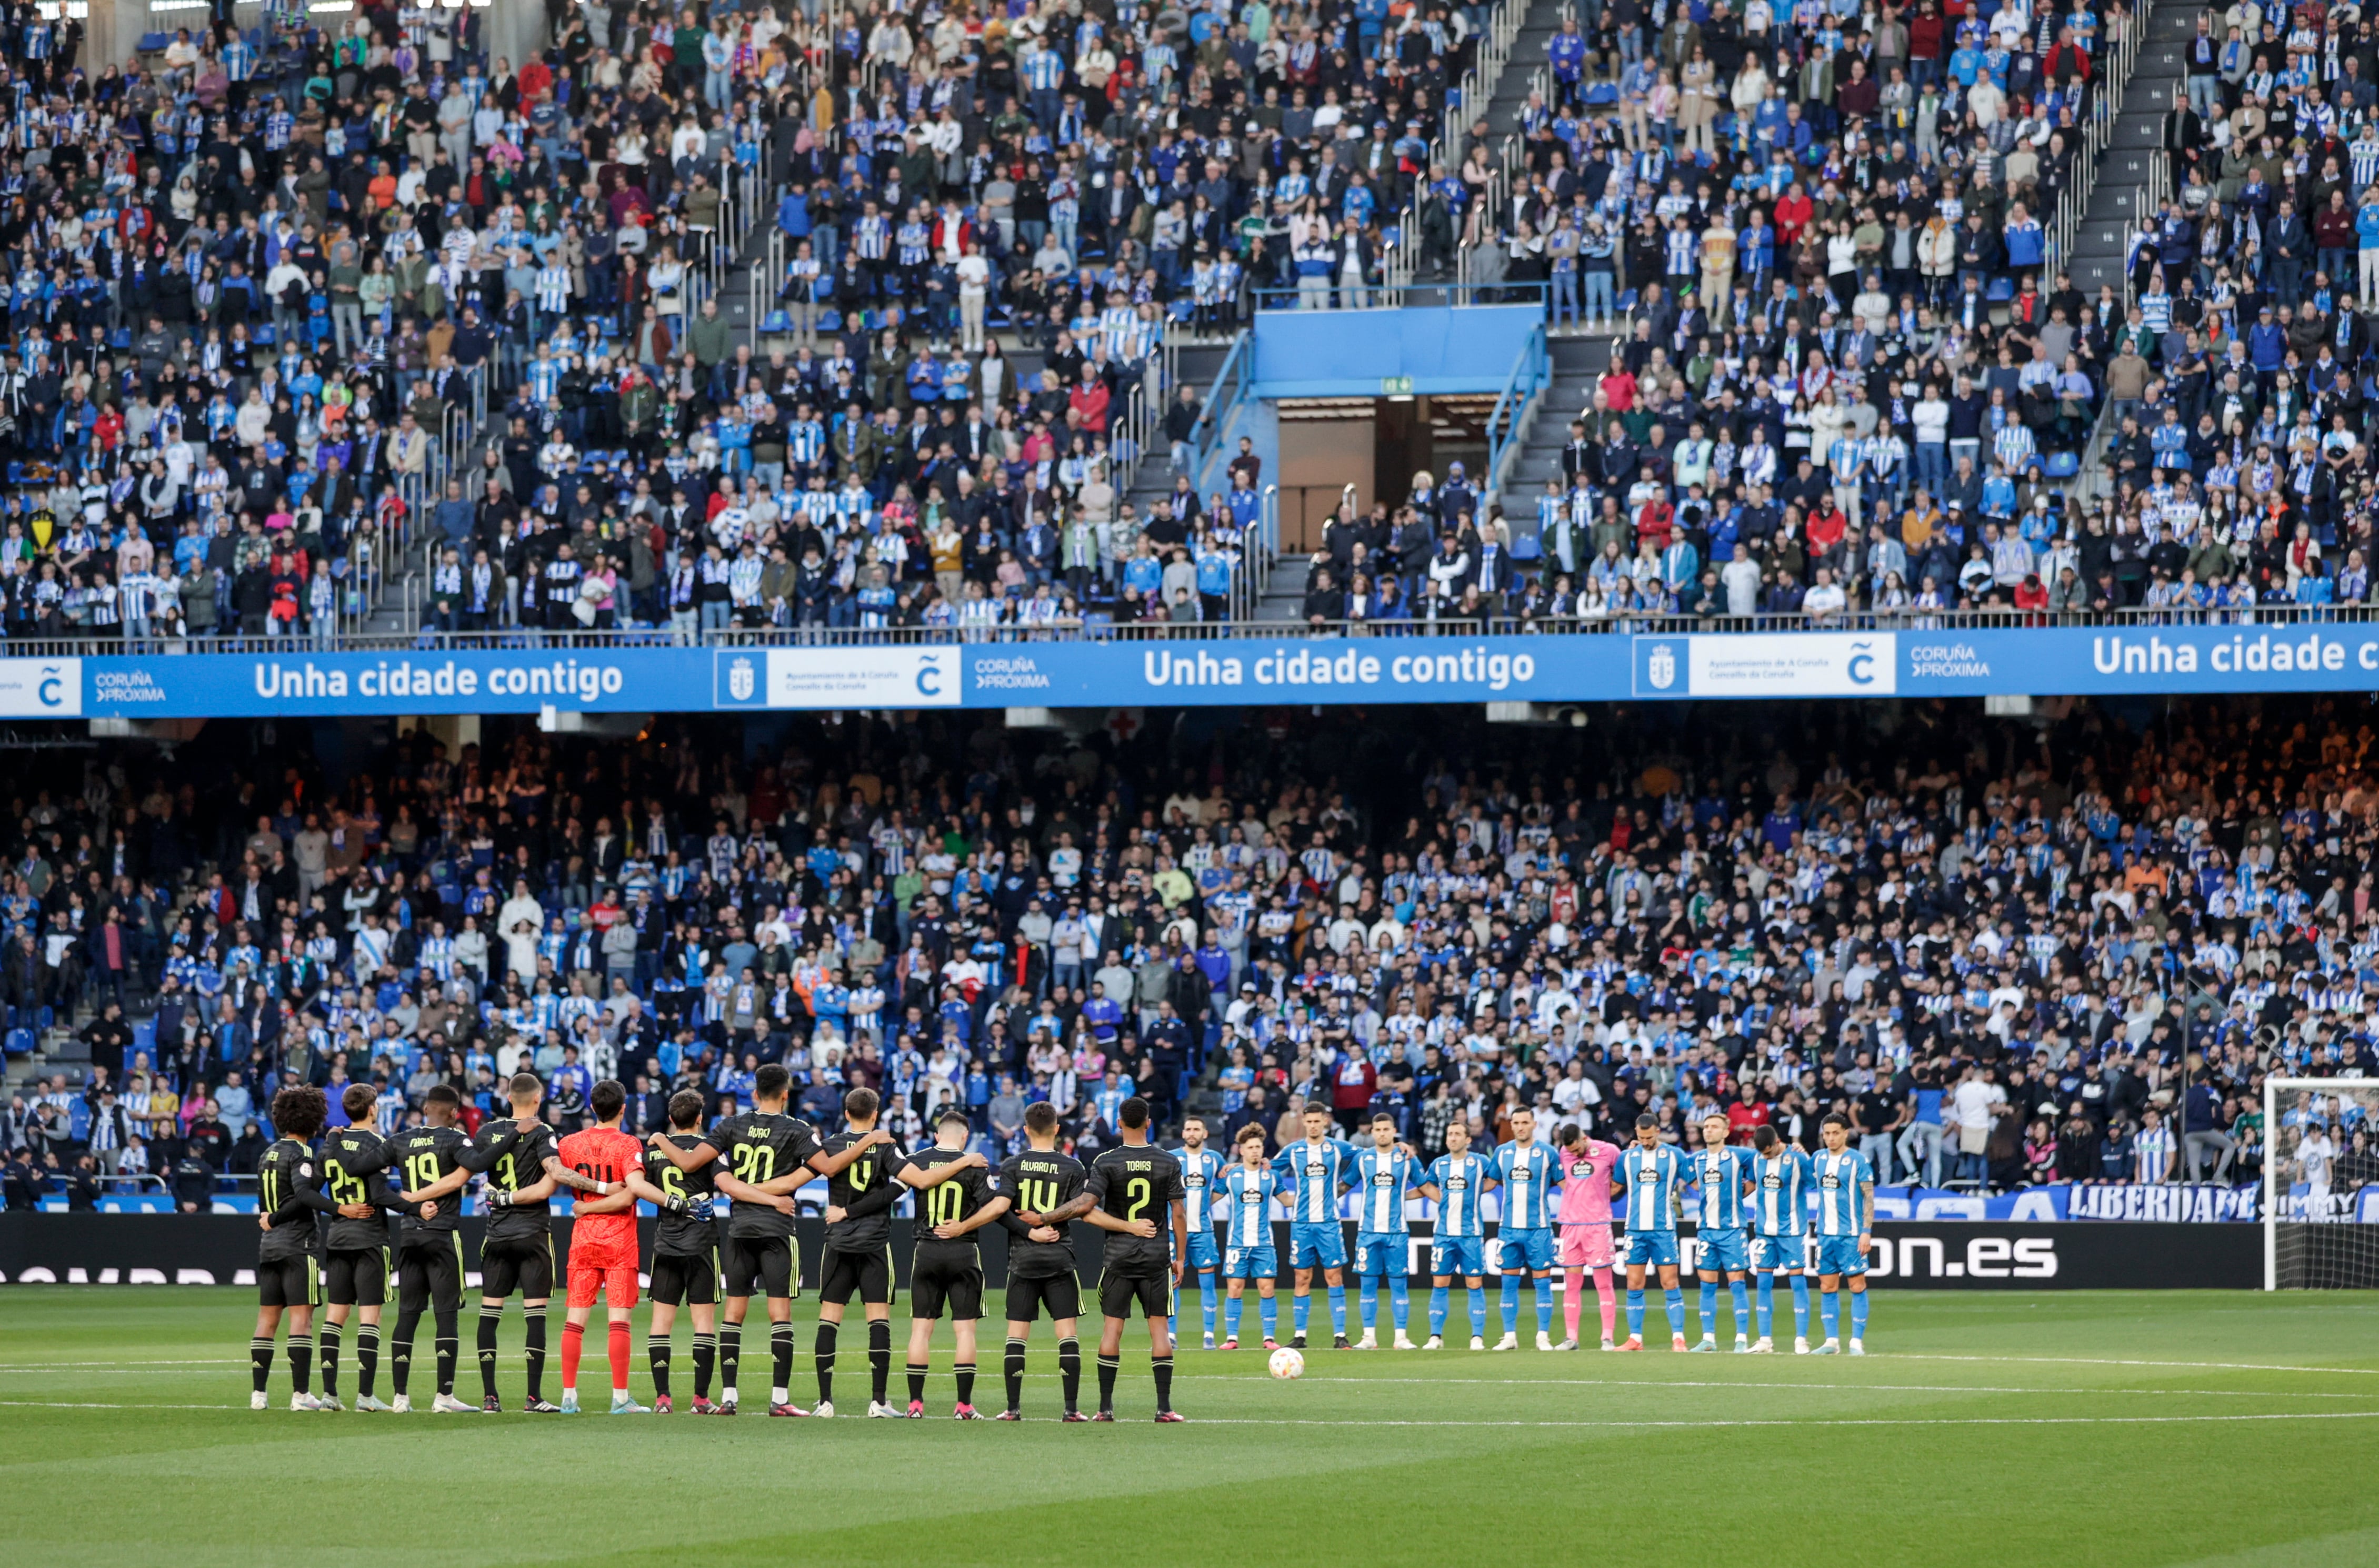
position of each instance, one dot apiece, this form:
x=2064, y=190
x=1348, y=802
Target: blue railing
x=1230, y=389
x=1531, y=370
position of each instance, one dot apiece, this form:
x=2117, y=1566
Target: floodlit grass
x=2134, y=1428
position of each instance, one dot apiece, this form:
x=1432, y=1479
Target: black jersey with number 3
x=758, y=1147
x=1137, y=1182
x=693, y=1233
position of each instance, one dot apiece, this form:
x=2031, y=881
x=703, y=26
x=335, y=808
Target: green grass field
x=2147, y=1427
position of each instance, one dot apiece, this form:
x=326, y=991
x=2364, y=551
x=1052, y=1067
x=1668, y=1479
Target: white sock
x=779, y=1396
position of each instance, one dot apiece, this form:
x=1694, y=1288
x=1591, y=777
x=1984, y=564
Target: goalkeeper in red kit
x=603, y=1241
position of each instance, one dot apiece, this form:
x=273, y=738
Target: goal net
x=2320, y=1184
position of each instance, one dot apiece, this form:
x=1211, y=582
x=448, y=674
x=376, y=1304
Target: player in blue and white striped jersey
x=1457, y=1179
x=1314, y=1172
x=1202, y=1168
x=1652, y=1173
x=1845, y=1230
x=1779, y=1218
x=1528, y=1172
x=1384, y=1175
x=1247, y=1252
x=1722, y=1172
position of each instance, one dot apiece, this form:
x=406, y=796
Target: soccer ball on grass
x=1286, y=1363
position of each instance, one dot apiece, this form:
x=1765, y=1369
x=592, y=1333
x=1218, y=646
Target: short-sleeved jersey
x=1249, y=1195
x=1528, y=1172
x=1312, y=1177
x=1137, y=1182
x=287, y=1195
x=1653, y=1177
x=1382, y=1178
x=521, y=1166
x=758, y=1147
x=1586, y=1182
x=1461, y=1181
x=1839, y=1178
x=353, y=1160
x=1780, y=1204
x=1038, y=1181
x=424, y=1154
x=692, y=1233
x=871, y=1232
x=1201, y=1174
x=607, y=1155
x=948, y=1202
x=1720, y=1175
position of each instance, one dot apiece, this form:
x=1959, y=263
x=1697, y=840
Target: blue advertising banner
x=1223, y=671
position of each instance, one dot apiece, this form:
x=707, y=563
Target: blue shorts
x=1651, y=1248
x=1380, y=1255
x=1452, y=1255
x=1203, y=1253
x=1770, y=1254
x=1251, y=1263
x=1317, y=1244
x=1840, y=1255
x=1525, y=1250
x=1723, y=1251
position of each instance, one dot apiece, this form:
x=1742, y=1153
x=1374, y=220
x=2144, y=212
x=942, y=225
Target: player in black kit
x=1137, y=1191
x=955, y=1200
x=355, y=1262
x=1045, y=1190
x=433, y=1162
x=858, y=1256
x=685, y=1258
x=768, y=1155
x=288, y=1266
x=517, y=1252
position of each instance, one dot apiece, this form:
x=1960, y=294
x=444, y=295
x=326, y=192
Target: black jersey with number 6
x=1037, y=1182
x=1137, y=1182
x=693, y=1233
x=758, y=1147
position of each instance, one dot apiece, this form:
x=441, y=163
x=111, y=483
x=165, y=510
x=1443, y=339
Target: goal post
x=2320, y=1184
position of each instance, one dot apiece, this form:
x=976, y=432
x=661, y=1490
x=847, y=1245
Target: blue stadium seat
x=829, y=321
x=1627, y=300
x=120, y=338
x=2001, y=291
x=1602, y=95
x=151, y=43
x=19, y=1042
x=777, y=321
x=1182, y=309
x=2060, y=465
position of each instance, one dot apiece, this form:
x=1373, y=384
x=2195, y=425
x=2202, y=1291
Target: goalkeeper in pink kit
x=1587, y=1164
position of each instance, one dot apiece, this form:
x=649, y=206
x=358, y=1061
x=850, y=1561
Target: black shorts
x=1060, y=1294
x=843, y=1273
x=522, y=1267
x=290, y=1282
x=956, y=1282
x=771, y=1261
x=356, y=1279
x=430, y=1273
x=1118, y=1292
x=688, y=1279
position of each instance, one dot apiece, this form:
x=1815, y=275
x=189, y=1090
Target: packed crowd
x=2010, y=956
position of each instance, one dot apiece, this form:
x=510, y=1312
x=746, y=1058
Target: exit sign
x=1395, y=386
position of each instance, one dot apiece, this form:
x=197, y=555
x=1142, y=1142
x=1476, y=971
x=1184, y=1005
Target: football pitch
x=2131, y=1428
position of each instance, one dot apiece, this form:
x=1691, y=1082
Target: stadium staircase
x=2126, y=175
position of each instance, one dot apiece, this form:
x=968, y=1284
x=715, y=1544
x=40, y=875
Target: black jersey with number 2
x=1137, y=1182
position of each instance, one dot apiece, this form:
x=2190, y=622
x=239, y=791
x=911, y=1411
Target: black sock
x=657, y=1351
x=536, y=1352
x=966, y=1382
x=730, y=1353
x=366, y=1358
x=1069, y=1372
x=706, y=1351
x=329, y=1338
x=879, y=1356
x=916, y=1384
x=1162, y=1365
x=489, y=1317
x=260, y=1360
x=1012, y=1366
x=822, y=1352
x=781, y=1356
x=301, y=1362
x=449, y=1346
x=400, y=1349
x=1108, y=1366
